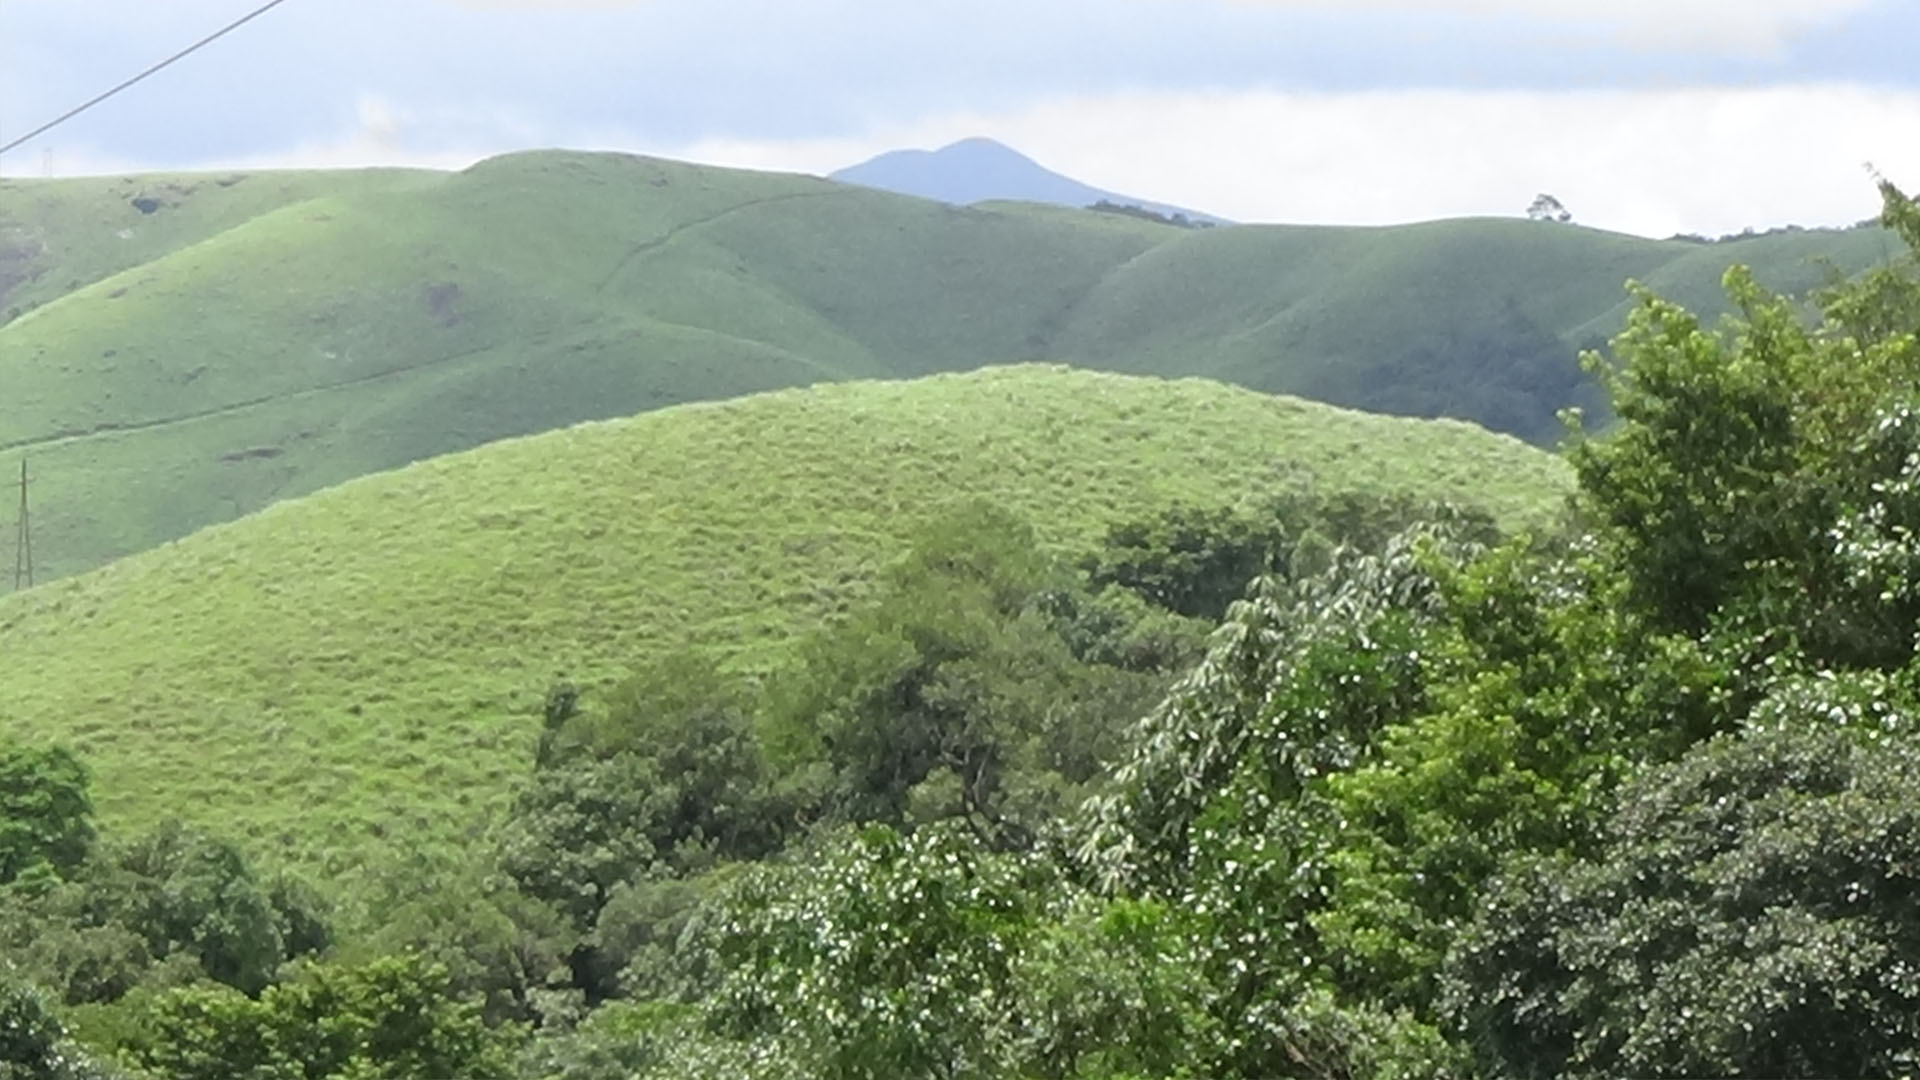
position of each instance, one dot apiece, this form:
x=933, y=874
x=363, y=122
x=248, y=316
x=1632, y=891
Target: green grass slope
x=361, y=669
x=57, y=237
x=254, y=338
x=347, y=334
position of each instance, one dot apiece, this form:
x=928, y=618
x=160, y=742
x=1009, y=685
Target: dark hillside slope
x=1452, y=318
x=268, y=337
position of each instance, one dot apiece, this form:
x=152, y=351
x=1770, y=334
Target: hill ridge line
x=648, y=247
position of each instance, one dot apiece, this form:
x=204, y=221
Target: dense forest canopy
x=1311, y=787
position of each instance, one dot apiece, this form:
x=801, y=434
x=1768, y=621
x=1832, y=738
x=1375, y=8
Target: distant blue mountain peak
x=980, y=169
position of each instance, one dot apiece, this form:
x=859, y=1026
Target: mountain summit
x=977, y=170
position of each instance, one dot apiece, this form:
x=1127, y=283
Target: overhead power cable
x=168, y=62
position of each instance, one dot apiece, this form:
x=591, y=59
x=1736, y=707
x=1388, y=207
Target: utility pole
x=23, y=545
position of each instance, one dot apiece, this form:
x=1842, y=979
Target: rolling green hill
x=363, y=667
x=233, y=340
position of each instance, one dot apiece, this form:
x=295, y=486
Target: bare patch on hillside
x=19, y=265
x=440, y=298
x=254, y=453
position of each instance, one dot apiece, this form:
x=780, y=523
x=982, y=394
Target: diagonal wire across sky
x=155, y=69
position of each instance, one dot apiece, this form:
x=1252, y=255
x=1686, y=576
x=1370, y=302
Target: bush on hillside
x=171, y=907
x=46, y=816
x=391, y=1019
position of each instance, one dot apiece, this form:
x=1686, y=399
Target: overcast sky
x=1647, y=116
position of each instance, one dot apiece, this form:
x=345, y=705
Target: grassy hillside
x=236, y=340
x=362, y=667
x=58, y=236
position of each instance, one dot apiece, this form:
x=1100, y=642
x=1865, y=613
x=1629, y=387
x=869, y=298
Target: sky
x=1643, y=116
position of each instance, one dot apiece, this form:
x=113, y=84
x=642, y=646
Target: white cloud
x=1653, y=162
x=548, y=5
x=384, y=134
x=1743, y=24
x=1760, y=26
x=1755, y=27
x=388, y=134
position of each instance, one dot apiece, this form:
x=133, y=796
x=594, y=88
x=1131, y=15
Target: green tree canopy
x=173, y=905
x=1742, y=454
x=925, y=956
x=46, y=816
x=391, y=1019
x=1753, y=915
x=975, y=685
x=33, y=1043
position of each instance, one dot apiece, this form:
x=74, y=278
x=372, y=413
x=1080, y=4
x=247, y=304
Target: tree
x=185, y=891
x=1225, y=807
x=1542, y=696
x=666, y=777
x=1295, y=684
x=391, y=1019
x=30, y=1037
x=1190, y=560
x=665, y=781
x=46, y=816
x=1196, y=561
x=1752, y=916
x=926, y=956
x=175, y=904
x=956, y=691
x=625, y=1040
x=1743, y=456
x=880, y=958
x=33, y=1042
x=509, y=949
x=1547, y=208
